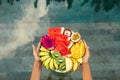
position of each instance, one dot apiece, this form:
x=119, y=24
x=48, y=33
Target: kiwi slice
x=60, y=60
x=55, y=54
x=62, y=67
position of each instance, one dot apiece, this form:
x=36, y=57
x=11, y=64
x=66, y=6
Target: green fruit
x=44, y=58
x=43, y=54
x=44, y=49
x=55, y=54
x=46, y=63
x=60, y=60
x=62, y=67
x=55, y=64
x=51, y=65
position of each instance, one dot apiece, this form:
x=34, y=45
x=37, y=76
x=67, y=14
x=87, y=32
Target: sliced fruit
x=65, y=42
x=43, y=54
x=82, y=48
x=67, y=32
x=75, y=64
x=43, y=49
x=60, y=60
x=68, y=63
x=78, y=50
x=46, y=63
x=44, y=58
x=55, y=64
x=79, y=60
x=75, y=37
x=62, y=49
x=55, y=54
x=51, y=65
x=56, y=30
x=47, y=42
x=62, y=67
x=59, y=37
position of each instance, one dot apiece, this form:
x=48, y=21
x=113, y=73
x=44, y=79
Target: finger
x=86, y=46
x=39, y=44
x=33, y=47
x=85, y=43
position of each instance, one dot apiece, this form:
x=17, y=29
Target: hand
x=87, y=53
x=36, y=51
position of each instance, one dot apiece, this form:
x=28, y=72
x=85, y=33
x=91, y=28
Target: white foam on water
x=25, y=28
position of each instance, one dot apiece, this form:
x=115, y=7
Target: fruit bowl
x=61, y=50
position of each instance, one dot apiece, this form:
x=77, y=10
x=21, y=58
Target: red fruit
x=65, y=42
x=62, y=49
x=58, y=36
x=57, y=30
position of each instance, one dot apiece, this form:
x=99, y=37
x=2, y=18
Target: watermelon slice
x=62, y=49
x=57, y=30
x=59, y=36
x=65, y=42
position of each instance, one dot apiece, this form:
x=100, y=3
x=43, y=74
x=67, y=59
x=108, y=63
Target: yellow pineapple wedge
x=82, y=49
x=44, y=49
x=43, y=53
x=68, y=63
x=75, y=64
x=51, y=65
x=78, y=50
x=47, y=62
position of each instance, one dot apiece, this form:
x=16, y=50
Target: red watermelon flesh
x=61, y=41
x=65, y=42
x=59, y=37
x=62, y=49
x=57, y=30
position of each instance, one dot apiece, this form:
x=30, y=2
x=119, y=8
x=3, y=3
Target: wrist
x=36, y=59
x=84, y=63
x=37, y=62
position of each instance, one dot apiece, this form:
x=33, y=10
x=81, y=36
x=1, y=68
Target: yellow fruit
x=43, y=53
x=75, y=37
x=82, y=49
x=46, y=63
x=44, y=49
x=75, y=64
x=51, y=65
x=79, y=60
x=55, y=64
x=68, y=63
x=78, y=50
x=44, y=58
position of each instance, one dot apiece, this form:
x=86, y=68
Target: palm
x=36, y=51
